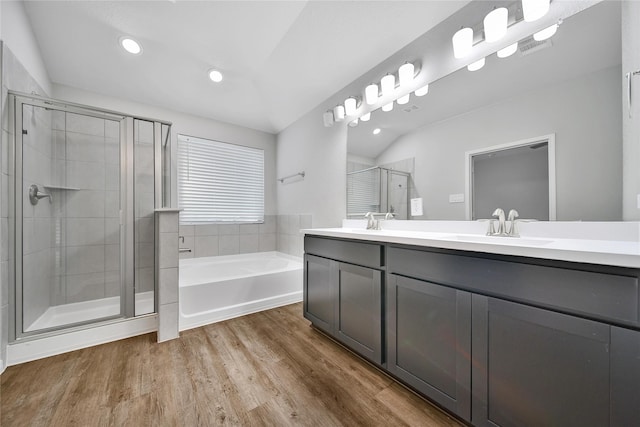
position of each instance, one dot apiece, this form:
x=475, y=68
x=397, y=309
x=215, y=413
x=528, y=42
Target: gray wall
x=584, y=113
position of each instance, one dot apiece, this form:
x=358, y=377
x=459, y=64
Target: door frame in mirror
x=550, y=139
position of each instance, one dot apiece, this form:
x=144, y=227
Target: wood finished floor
x=268, y=368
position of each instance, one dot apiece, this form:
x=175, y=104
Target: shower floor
x=77, y=312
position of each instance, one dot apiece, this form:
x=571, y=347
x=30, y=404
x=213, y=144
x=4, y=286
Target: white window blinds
x=219, y=182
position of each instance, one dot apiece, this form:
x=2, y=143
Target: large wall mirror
x=570, y=86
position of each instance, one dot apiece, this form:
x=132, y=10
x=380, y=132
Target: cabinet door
x=429, y=340
x=319, y=291
x=359, y=310
x=534, y=367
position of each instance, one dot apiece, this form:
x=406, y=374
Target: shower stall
x=378, y=189
x=85, y=186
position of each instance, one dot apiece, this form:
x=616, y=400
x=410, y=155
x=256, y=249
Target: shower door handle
x=35, y=194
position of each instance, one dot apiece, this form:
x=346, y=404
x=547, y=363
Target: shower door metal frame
x=16, y=102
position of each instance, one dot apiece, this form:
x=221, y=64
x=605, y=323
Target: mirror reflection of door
x=511, y=178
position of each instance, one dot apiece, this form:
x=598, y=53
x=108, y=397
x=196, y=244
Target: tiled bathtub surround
x=167, y=273
x=278, y=232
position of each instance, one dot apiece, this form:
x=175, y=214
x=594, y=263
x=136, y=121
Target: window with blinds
x=219, y=182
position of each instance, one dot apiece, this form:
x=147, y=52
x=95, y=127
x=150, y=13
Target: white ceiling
x=280, y=59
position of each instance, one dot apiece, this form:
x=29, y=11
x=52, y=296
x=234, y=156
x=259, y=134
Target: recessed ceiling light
x=130, y=45
x=376, y=131
x=215, y=75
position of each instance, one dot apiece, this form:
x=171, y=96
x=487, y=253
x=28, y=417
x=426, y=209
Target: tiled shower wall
x=86, y=230
x=278, y=233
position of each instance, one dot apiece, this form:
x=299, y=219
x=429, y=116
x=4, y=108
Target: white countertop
x=623, y=253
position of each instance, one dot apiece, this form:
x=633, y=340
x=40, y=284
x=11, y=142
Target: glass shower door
x=69, y=229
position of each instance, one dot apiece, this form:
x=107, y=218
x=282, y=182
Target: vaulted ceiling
x=280, y=59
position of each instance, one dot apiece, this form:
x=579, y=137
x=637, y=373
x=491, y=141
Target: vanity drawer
x=365, y=254
x=599, y=292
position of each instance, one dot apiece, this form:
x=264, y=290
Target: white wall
x=321, y=153
x=187, y=124
x=16, y=33
x=585, y=114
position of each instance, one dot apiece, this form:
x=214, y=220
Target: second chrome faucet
x=503, y=230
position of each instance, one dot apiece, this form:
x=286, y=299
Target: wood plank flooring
x=265, y=369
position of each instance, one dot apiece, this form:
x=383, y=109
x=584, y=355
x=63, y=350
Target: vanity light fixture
x=371, y=93
x=130, y=45
x=365, y=117
x=404, y=99
x=327, y=118
x=475, y=66
x=387, y=107
x=508, y=51
x=495, y=24
x=388, y=84
x=406, y=72
x=338, y=113
x=546, y=33
x=422, y=91
x=215, y=75
x=376, y=131
x=533, y=10
x=462, y=42
x=350, y=106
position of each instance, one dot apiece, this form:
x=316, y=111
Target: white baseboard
x=28, y=350
x=226, y=313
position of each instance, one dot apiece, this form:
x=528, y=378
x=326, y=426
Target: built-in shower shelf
x=61, y=187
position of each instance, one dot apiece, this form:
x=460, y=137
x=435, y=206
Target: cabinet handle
x=628, y=76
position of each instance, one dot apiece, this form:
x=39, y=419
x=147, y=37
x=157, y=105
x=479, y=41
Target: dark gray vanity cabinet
x=536, y=367
x=429, y=340
x=343, y=290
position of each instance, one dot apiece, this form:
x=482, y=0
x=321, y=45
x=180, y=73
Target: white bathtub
x=219, y=288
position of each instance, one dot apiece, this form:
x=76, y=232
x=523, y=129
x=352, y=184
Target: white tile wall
x=167, y=273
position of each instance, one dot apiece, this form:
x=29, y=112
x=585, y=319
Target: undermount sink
x=503, y=240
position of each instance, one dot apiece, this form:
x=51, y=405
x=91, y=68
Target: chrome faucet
x=499, y=214
x=389, y=215
x=372, y=223
x=513, y=232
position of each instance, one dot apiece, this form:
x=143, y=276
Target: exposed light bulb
x=376, y=131
x=475, y=66
x=365, y=117
x=215, y=76
x=388, y=84
x=350, y=106
x=495, y=24
x=406, y=72
x=546, y=33
x=462, y=42
x=338, y=113
x=387, y=107
x=371, y=93
x=532, y=10
x=130, y=45
x=404, y=99
x=508, y=51
x=422, y=91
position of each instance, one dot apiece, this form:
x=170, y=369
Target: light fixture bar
x=422, y=91
x=495, y=24
x=371, y=94
x=388, y=84
x=508, y=51
x=406, y=72
x=350, y=106
x=533, y=10
x=462, y=42
x=475, y=66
